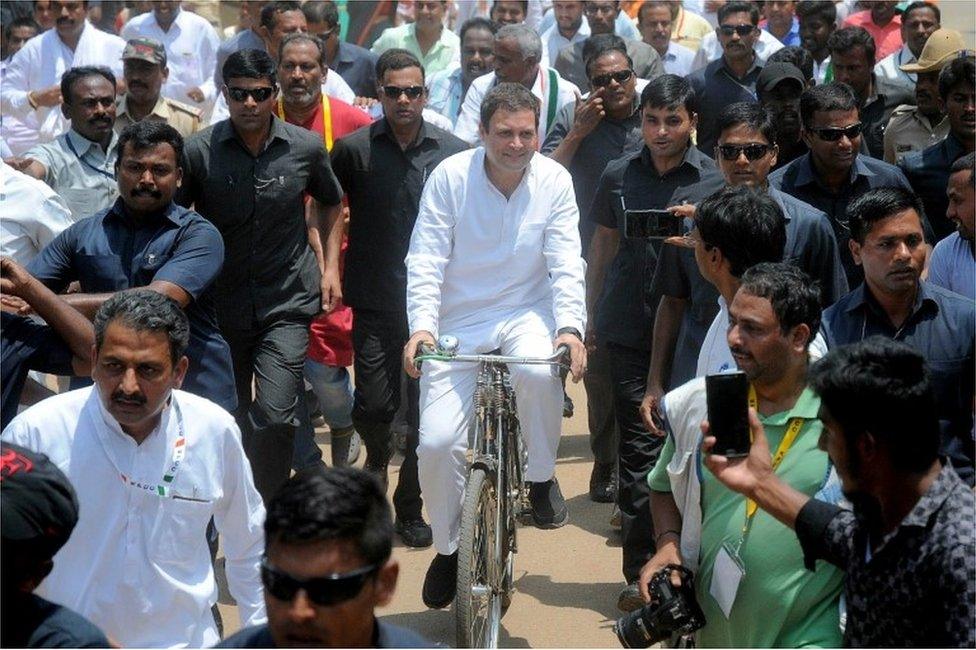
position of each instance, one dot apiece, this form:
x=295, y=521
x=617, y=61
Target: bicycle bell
x=448, y=343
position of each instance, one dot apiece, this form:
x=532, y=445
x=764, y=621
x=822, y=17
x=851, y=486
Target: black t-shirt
x=32, y=622
x=26, y=345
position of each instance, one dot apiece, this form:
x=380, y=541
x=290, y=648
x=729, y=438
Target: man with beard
x=907, y=547
x=446, y=89
x=779, y=87
x=568, y=28
x=953, y=265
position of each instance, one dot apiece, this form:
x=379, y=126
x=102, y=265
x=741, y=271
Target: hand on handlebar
x=411, y=349
x=577, y=354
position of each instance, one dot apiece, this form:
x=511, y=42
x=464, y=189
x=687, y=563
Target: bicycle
x=488, y=544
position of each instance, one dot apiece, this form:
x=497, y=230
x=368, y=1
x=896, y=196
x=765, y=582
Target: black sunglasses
x=412, y=92
x=833, y=133
x=325, y=590
x=258, y=94
x=620, y=76
x=731, y=152
x=741, y=30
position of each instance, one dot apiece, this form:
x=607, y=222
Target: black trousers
x=378, y=338
x=638, y=451
x=601, y=420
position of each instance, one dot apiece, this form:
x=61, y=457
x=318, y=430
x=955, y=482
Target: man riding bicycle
x=495, y=261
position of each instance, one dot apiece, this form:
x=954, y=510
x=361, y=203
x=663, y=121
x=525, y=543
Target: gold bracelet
x=31, y=100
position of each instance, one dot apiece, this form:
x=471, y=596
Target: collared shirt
x=799, y=179
x=571, y=66
x=79, y=171
x=191, y=45
x=942, y=328
x=445, y=90
x=715, y=88
x=928, y=173
x=908, y=130
x=953, y=266
x=678, y=59
x=876, y=112
x=27, y=345
x=385, y=635
x=258, y=204
x=333, y=86
x=246, y=39
x=468, y=121
x=711, y=49
x=40, y=64
x=887, y=39
x=622, y=314
x=182, y=117
x=553, y=41
x=440, y=56
x=918, y=588
x=792, y=37
x=689, y=29
x=33, y=215
x=477, y=257
x=137, y=564
x=357, y=66
x=889, y=68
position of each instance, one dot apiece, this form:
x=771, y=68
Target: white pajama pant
x=447, y=406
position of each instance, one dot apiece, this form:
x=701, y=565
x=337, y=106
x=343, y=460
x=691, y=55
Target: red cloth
x=887, y=39
x=330, y=335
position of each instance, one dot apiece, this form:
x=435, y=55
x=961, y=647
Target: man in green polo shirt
x=752, y=586
x=437, y=47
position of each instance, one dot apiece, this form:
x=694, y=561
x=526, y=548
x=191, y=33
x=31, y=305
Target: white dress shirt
x=33, y=215
x=137, y=564
x=889, y=68
x=678, y=59
x=333, y=86
x=477, y=257
x=40, y=64
x=553, y=41
x=711, y=49
x=191, y=53
x=470, y=117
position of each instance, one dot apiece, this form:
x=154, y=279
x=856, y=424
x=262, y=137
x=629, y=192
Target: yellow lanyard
x=326, y=119
x=792, y=430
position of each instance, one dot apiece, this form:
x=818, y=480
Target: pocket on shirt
x=180, y=532
x=530, y=236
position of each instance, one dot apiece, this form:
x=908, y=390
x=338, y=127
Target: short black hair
x=146, y=134
x=397, y=59
x=794, y=296
x=145, y=310
x=798, y=56
x=478, y=23
x=321, y=11
x=881, y=386
x=596, y=46
x=669, y=91
x=299, y=37
x=877, y=204
x=746, y=225
x=749, y=114
x=250, y=64
x=825, y=10
x=510, y=97
x=74, y=75
x=843, y=40
x=835, y=96
x=652, y=4
x=341, y=504
x=915, y=6
x=270, y=11
x=23, y=21
x=960, y=70
x=963, y=163
x=737, y=7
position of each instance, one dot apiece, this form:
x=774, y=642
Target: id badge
x=726, y=576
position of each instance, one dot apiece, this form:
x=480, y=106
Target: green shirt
x=442, y=54
x=779, y=602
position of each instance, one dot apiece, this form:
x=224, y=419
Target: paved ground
x=568, y=579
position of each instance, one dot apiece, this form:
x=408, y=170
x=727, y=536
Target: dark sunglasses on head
x=833, y=133
x=620, y=76
x=741, y=30
x=731, y=152
x=324, y=590
x=258, y=94
x=412, y=92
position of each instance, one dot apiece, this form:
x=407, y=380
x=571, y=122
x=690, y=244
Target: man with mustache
x=953, y=261
x=779, y=87
x=151, y=465
x=918, y=22
x=446, y=89
x=893, y=301
x=568, y=28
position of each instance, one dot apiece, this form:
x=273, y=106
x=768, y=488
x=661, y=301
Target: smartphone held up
x=727, y=399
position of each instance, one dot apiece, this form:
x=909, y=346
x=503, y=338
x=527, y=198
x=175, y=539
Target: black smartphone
x=651, y=224
x=727, y=398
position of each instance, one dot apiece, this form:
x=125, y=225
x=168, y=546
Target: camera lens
x=632, y=630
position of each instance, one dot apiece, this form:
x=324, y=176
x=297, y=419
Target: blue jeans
x=333, y=388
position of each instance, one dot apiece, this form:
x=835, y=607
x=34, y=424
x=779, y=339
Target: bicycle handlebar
x=558, y=358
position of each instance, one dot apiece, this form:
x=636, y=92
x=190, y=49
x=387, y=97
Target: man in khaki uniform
x=145, y=71
x=913, y=128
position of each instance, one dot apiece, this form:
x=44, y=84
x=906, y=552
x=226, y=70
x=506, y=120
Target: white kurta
x=33, y=215
x=137, y=564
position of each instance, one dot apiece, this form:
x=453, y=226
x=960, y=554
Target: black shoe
x=603, y=483
x=568, y=406
x=440, y=583
x=548, y=506
x=415, y=533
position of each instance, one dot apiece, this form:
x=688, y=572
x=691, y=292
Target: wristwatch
x=569, y=330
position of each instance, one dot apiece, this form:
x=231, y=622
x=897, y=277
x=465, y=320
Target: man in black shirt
x=908, y=546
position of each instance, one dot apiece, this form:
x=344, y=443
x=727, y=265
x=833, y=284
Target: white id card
x=726, y=576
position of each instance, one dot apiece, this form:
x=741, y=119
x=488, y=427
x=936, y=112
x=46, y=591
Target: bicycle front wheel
x=478, y=603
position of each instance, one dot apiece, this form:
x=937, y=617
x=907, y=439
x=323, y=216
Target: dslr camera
x=672, y=610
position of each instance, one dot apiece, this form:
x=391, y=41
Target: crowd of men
x=214, y=240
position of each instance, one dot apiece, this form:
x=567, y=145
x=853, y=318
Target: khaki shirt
x=908, y=130
x=180, y=116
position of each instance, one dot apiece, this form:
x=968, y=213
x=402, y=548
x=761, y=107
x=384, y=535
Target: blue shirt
x=26, y=345
x=942, y=328
x=792, y=37
x=715, y=88
x=357, y=67
x=108, y=253
x=953, y=266
x=445, y=90
x=928, y=172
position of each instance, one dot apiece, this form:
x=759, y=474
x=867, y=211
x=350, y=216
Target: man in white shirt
x=31, y=93
x=569, y=28
x=151, y=465
x=191, y=50
x=494, y=260
x=919, y=21
x=711, y=49
x=33, y=215
x=655, y=22
x=518, y=53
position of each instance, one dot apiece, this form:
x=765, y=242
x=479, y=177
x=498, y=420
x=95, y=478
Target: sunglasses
x=731, y=152
x=326, y=590
x=833, y=133
x=257, y=94
x=412, y=92
x=741, y=30
x=603, y=80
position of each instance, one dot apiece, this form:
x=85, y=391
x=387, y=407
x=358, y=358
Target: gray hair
x=529, y=43
x=145, y=310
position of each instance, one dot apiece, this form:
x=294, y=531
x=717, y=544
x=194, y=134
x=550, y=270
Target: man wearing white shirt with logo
x=151, y=465
x=569, y=28
x=494, y=260
x=30, y=90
